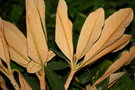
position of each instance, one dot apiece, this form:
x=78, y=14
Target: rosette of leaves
x=97, y=38
x=5, y=57
x=32, y=51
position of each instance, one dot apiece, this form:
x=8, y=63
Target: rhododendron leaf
x=40, y=5
x=17, y=44
x=90, y=32
x=88, y=87
x=51, y=54
x=117, y=45
x=114, y=77
x=4, y=54
x=125, y=57
x=23, y=83
x=37, y=45
x=113, y=29
x=57, y=65
x=53, y=79
x=132, y=56
x=63, y=33
x=33, y=67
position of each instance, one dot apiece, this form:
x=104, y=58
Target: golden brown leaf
x=88, y=87
x=33, y=67
x=40, y=5
x=37, y=45
x=114, y=77
x=90, y=32
x=23, y=83
x=132, y=56
x=51, y=54
x=123, y=41
x=17, y=44
x=113, y=29
x=125, y=57
x=63, y=32
x=4, y=54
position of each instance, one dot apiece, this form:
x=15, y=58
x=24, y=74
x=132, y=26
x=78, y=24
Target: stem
x=70, y=77
x=14, y=83
x=2, y=84
x=41, y=77
x=12, y=79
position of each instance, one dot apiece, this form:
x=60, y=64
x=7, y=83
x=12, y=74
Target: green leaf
x=87, y=75
x=55, y=65
x=75, y=86
x=102, y=67
x=103, y=84
x=16, y=66
x=32, y=80
x=59, y=53
x=53, y=79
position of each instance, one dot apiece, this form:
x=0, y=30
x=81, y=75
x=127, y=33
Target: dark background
x=78, y=10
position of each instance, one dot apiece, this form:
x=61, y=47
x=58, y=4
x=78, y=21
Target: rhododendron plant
x=98, y=37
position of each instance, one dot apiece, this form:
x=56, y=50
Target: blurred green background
x=78, y=10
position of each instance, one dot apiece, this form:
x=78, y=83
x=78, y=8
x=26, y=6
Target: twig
x=41, y=77
x=2, y=84
x=13, y=81
x=69, y=79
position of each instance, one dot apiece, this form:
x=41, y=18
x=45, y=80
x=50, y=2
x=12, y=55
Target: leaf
x=4, y=54
x=90, y=32
x=126, y=56
x=17, y=66
x=54, y=80
x=88, y=87
x=55, y=65
x=32, y=80
x=37, y=44
x=75, y=86
x=103, y=85
x=124, y=83
x=51, y=54
x=40, y=5
x=113, y=29
x=59, y=53
x=87, y=75
x=17, y=44
x=132, y=55
x=127, y=40
x=33, y=67
x=63, y=34
x=119, y=44
x=101, y=68
x=114, y=77
x=24, y=84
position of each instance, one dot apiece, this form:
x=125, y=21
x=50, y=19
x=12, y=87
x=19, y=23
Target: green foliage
x=125, y=83
x=54, y=80
x=57, y=65
x=32, y=80
x=13, y=10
